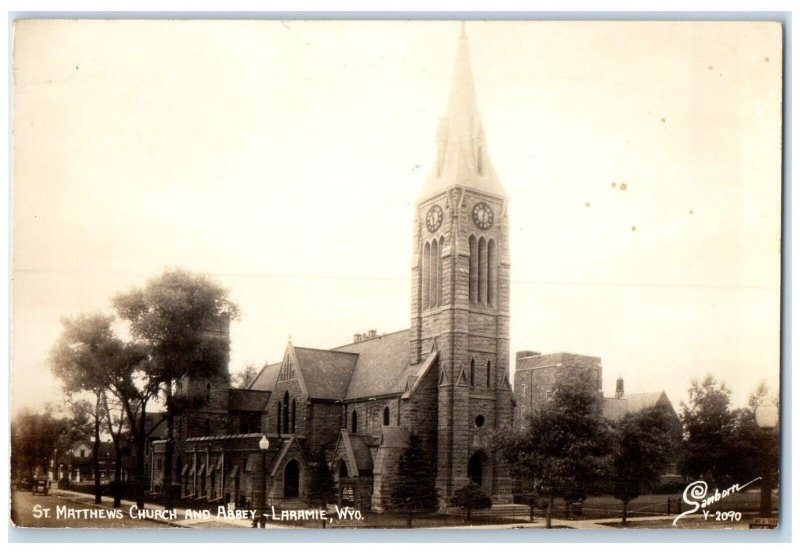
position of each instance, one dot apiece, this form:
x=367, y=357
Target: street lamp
x=263, y=444
x=767, y=420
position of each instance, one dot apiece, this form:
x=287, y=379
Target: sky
x=284, y=159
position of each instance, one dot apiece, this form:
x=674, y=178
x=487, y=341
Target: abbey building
x=444, y=380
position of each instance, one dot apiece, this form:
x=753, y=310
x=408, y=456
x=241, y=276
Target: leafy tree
x=322, y=489
x=35, y=437
x=471, y=497
x=566, y=443
x=174, y=315
x=644, y=440
x=757, y=451
x=82, y=358
x=708, y=429
x=415, y=488
x=759, y=396
x=245, y=376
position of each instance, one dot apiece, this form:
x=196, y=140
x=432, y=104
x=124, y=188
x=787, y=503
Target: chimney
x=620, y=388
x=372, y=333
x=357, y=337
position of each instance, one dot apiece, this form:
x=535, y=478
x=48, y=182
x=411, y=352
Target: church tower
x=460, y=294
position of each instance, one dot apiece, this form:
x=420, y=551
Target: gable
x=266, y=378
x=326, y=373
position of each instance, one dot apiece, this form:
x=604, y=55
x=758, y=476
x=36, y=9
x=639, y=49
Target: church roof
x=616, y=408
x=642, y=400
x=326, y=373
x=247, y=400
x=266, y=378
x=382, y=365
x=462, y=158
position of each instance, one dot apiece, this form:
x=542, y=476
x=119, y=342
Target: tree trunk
x=624, y=512
x=141, y=441
x=168, y=451
x=96, y=454
x=117, y=474
x=549, y=521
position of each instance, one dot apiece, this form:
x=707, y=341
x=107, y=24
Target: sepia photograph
x=396, y=274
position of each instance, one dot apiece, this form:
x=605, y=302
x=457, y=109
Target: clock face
x=434, y=218
x=482, y=215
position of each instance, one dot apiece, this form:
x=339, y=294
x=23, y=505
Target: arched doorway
x=291, y=480
x=479, y=471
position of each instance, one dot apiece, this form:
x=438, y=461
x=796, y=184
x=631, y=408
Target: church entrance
x=291, y=480
x=478, y=471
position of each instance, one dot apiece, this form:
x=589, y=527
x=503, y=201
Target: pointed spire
x=461, y=154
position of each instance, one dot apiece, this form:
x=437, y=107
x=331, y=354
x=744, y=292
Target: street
x=24, y=505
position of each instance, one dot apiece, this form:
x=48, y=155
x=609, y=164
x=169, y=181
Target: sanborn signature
x=696, y=495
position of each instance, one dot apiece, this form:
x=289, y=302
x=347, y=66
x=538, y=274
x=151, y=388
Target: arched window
x=491, y=288
x=286, y=412
x=489, y=375
x=439, y=271
x=354, y=422
x=472, y=373
x=473, y=269
x=434, y=278
x=294, y=415
x=278, y=427
x=482, y=270
x=426, y=257
x=386, y=416
x=208, y=391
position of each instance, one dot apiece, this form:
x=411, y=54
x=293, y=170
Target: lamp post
x=263, y=444
x=767, y=420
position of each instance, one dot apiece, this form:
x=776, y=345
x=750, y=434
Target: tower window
x=479, y=421
x=386, y=415
x=354, y=422
x=482, y=270
x=426, y=256
x=489, y=375
x=472, y=373
x=473, y=269
x=434, y=278
x=439, y=272
x=491, y=275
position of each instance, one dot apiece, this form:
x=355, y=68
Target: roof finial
x=463, y=30
x=290, y=338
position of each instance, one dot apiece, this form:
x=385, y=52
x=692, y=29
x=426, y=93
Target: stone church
x=444, y=380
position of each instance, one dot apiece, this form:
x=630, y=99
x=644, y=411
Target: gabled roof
x=326, y=373
x=381, y=367
x=247, y=400
x=642, y=400
x=362, y=454
x=616, y=408
x=266, y=378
